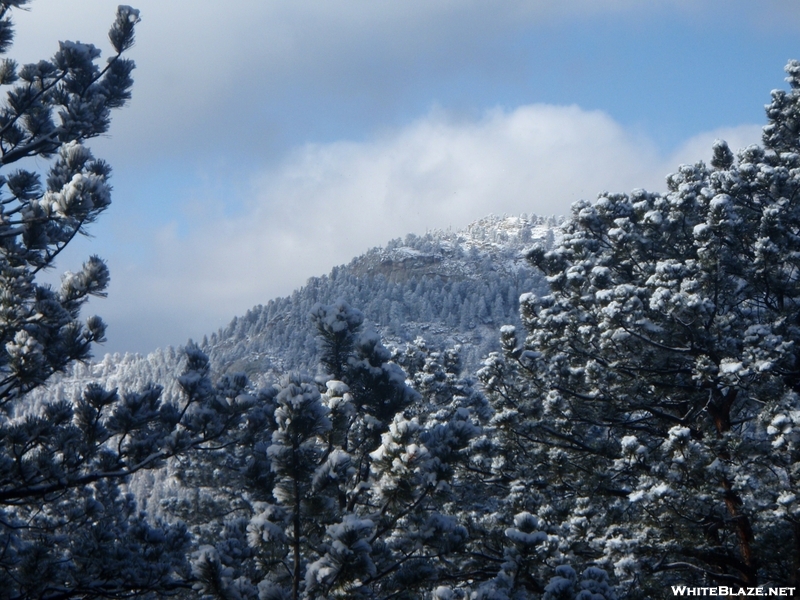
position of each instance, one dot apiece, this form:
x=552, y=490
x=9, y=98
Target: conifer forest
x=597, y=407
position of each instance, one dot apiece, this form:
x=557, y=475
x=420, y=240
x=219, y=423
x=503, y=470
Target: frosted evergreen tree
x=343, y=484
x=66, y=528
x=655, y=397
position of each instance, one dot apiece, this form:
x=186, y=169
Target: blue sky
x=268, y=141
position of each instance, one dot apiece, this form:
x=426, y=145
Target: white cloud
x=326, y=203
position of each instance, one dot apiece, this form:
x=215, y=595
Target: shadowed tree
x=652, y=408
x=66, y=528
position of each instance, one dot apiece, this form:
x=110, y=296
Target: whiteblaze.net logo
x=725, y=591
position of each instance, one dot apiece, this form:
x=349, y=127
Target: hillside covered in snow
x=446, y=287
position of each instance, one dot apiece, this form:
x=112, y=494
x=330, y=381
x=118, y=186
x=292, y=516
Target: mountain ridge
x=448, y=287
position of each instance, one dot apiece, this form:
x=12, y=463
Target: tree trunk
x=720, y=411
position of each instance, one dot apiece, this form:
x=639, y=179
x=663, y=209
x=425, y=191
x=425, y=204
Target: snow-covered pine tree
x=654, y=402
x=336, y=488
x=66, y=529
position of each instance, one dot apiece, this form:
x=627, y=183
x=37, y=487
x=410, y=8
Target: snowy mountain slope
x=448, y=287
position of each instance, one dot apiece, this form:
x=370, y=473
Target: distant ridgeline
x=448, y=287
